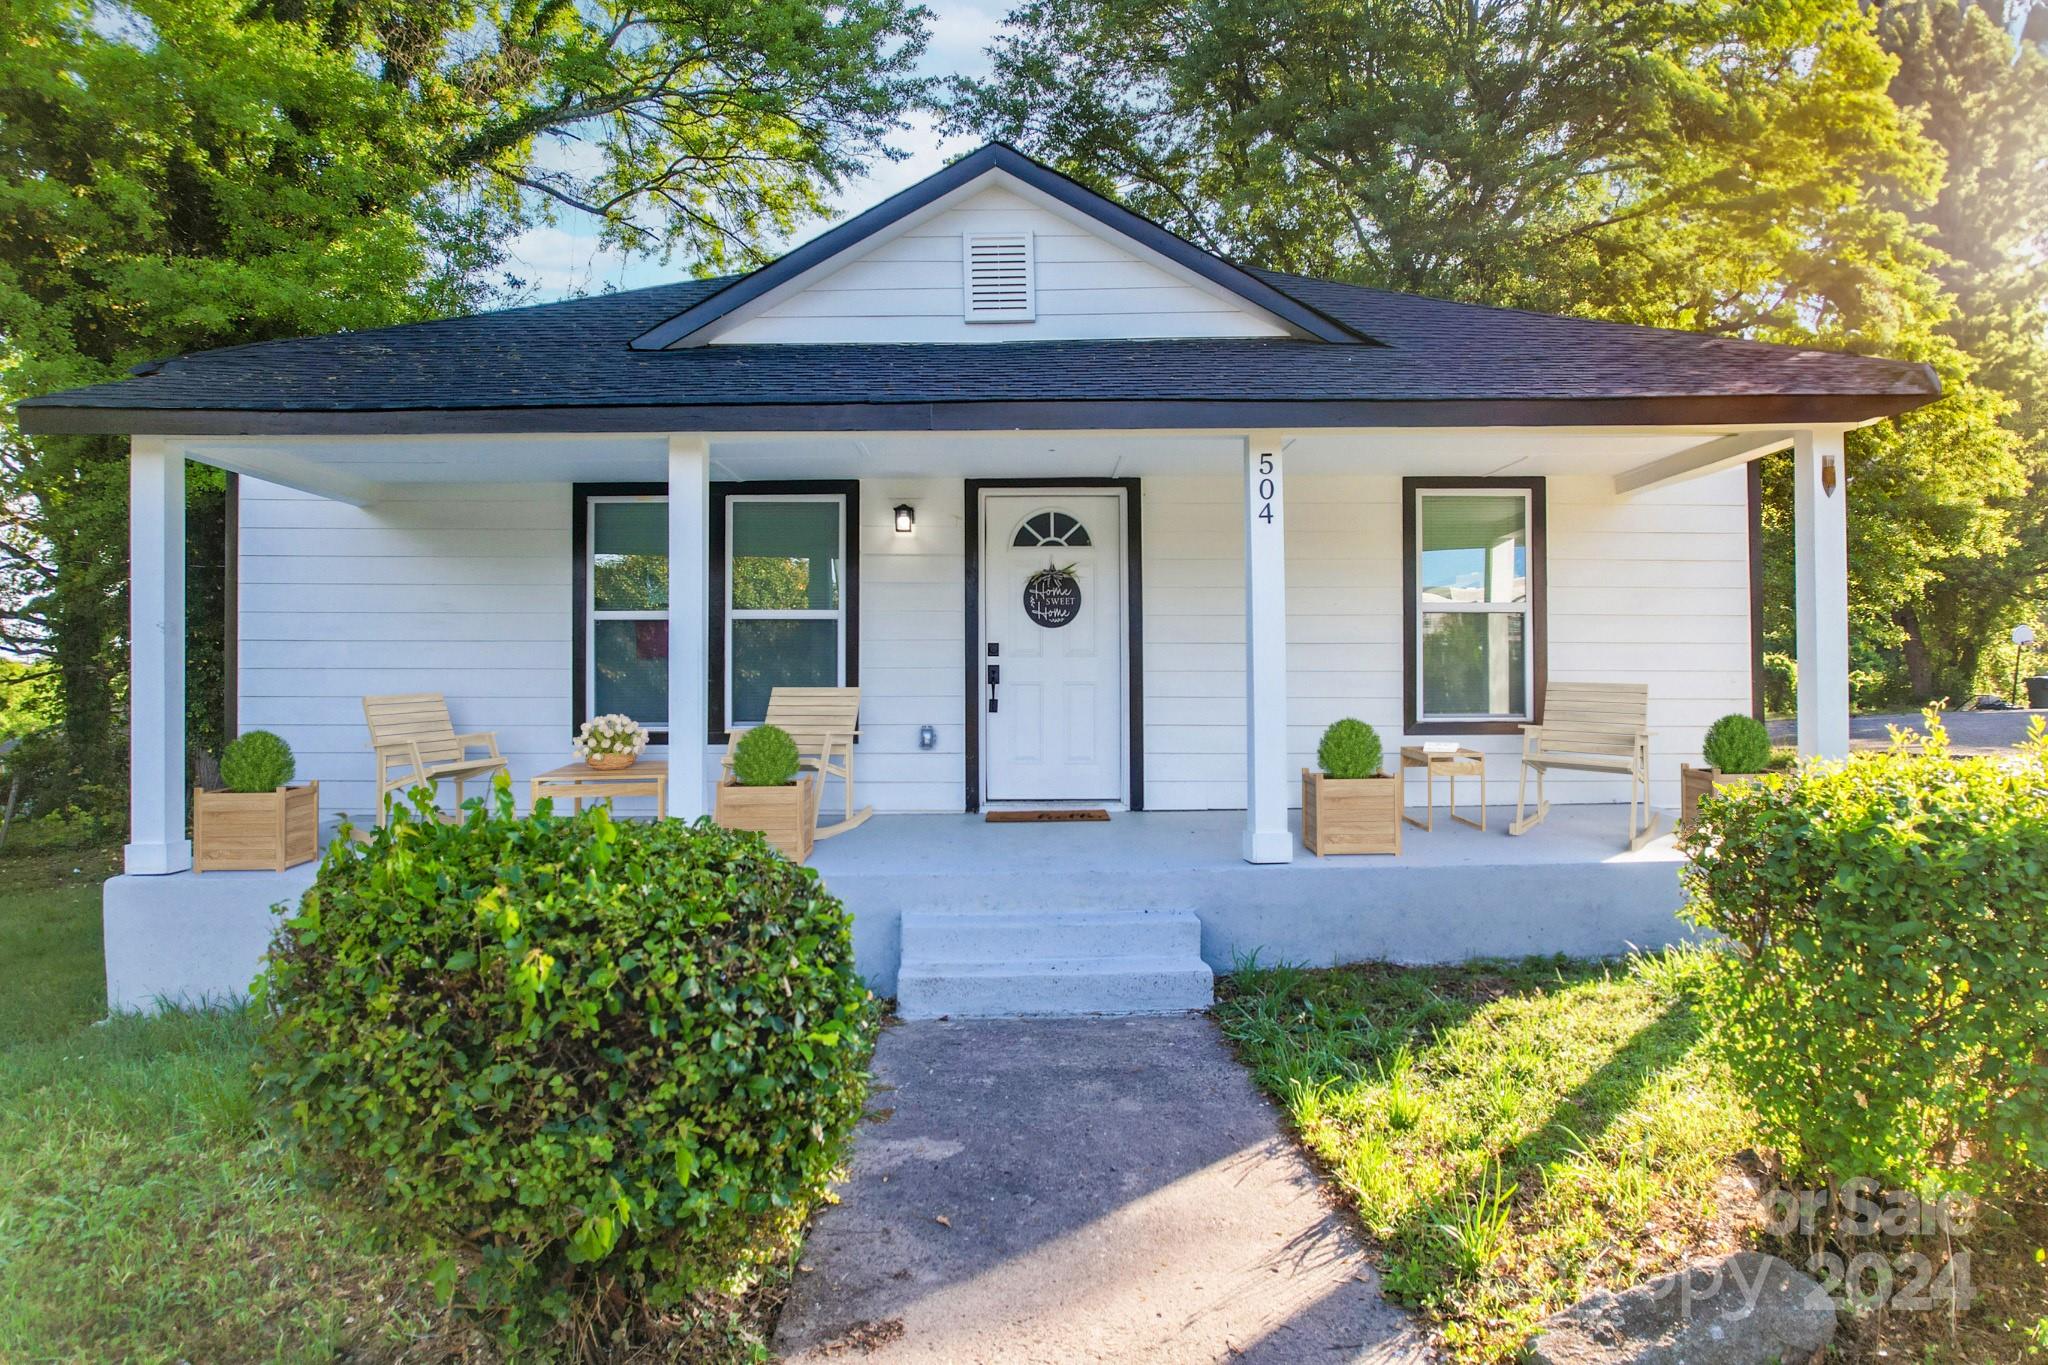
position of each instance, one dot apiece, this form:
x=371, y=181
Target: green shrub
x=610, y=1065
x=257, y=762
x=1737, y=744
x=765, y=757
x=1886, y=980
x=1350, y=748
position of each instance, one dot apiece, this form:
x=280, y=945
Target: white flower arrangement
x=604, y=736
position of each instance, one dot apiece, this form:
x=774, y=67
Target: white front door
x=1052, y=612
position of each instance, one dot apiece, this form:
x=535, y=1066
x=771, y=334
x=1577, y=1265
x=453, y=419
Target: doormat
x=1042, y=817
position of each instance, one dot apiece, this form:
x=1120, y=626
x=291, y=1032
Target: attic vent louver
x=999, y=277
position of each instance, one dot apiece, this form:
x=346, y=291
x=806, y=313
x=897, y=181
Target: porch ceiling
x=356, y=469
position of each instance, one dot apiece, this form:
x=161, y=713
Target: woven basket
x=611, y=763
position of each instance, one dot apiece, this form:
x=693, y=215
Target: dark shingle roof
x=571, y=366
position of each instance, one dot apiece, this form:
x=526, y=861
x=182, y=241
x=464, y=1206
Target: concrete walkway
x=1081, y=1190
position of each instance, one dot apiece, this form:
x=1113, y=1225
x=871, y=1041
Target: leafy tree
x=1986, y=105
x=1678, y=161
x=1719, y=165
x=178, y=174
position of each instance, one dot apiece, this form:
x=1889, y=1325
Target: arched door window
x=1050, y=528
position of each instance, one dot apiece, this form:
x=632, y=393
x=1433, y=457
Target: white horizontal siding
x=1194, y=644
x=912, y=640
x=467, y=591
x=469, y=594
x=910, y=289
x=462, y=591
x=1653, y=589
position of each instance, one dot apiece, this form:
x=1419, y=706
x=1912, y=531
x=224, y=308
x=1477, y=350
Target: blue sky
x=564, y=260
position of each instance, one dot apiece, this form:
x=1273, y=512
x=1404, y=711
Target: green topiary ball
x=1350, y=748
x=765, y=757
x=257, y=762
x=1737, y=744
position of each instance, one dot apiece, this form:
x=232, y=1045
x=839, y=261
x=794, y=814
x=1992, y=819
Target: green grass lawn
x=147, y=1209
x=152, y=1210
x=1513, y=1135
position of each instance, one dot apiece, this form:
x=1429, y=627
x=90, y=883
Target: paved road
x=1081, y=1190
x=1969, y=732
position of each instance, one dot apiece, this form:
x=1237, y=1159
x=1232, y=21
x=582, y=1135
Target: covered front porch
x=1267, y=600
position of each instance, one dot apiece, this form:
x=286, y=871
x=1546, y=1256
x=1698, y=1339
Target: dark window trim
x=1539, y=607
x=716, y=732
x=231, y=612
x=579, y=554
x=1756, y=588
x=714, y=584
x=1134, y=620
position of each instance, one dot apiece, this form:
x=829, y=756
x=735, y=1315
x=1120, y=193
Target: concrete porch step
x=999, y=964
x=1021, y=935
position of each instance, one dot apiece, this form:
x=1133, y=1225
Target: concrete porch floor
x=1569, y=886
x=1139, y=842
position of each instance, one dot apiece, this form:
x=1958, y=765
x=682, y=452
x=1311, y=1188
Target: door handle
x=995, y=675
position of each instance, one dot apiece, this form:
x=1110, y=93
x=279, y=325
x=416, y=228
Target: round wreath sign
x=1052, y=596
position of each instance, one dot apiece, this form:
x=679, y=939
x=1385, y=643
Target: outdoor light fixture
x=1827, y=476
x=905, y=519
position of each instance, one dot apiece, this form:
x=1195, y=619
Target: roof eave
x=47, y=418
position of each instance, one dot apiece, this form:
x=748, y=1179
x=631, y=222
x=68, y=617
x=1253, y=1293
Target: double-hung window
x=1475, y=580
x=785, y=597
x=783, y=588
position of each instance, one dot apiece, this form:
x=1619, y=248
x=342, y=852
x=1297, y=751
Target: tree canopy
x=1728, y=166
x=179, y=174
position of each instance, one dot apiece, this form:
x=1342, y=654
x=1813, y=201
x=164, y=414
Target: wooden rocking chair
x=1591, y=728
x=416, y=745
x=824, y=722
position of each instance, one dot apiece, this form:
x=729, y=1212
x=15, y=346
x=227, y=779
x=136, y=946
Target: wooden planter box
x=252, y=831
x=787, y=815
x=1350, y=815
x=1693, y=783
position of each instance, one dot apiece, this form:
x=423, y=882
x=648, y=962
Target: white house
x=1284, y=500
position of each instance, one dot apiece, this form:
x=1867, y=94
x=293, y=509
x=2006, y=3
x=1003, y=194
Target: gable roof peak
x=991, y=158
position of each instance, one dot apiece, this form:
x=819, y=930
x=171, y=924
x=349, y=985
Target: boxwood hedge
x=1885, y=995
x=608, y=1064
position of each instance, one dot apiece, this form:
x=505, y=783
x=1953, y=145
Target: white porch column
x=1266, y=838
x=156, y=660
x=689, y=550
x=1820, y=498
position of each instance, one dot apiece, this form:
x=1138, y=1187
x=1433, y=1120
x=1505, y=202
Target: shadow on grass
x=1364, y=1057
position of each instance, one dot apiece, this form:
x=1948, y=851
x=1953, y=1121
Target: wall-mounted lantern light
x=906, y=519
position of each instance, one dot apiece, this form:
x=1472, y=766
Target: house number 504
x=1265, y=512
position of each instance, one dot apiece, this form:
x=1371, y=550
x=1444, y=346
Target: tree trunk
x=1919, y=661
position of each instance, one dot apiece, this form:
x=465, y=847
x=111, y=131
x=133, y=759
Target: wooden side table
x=580, y=782
x=1464, y=763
